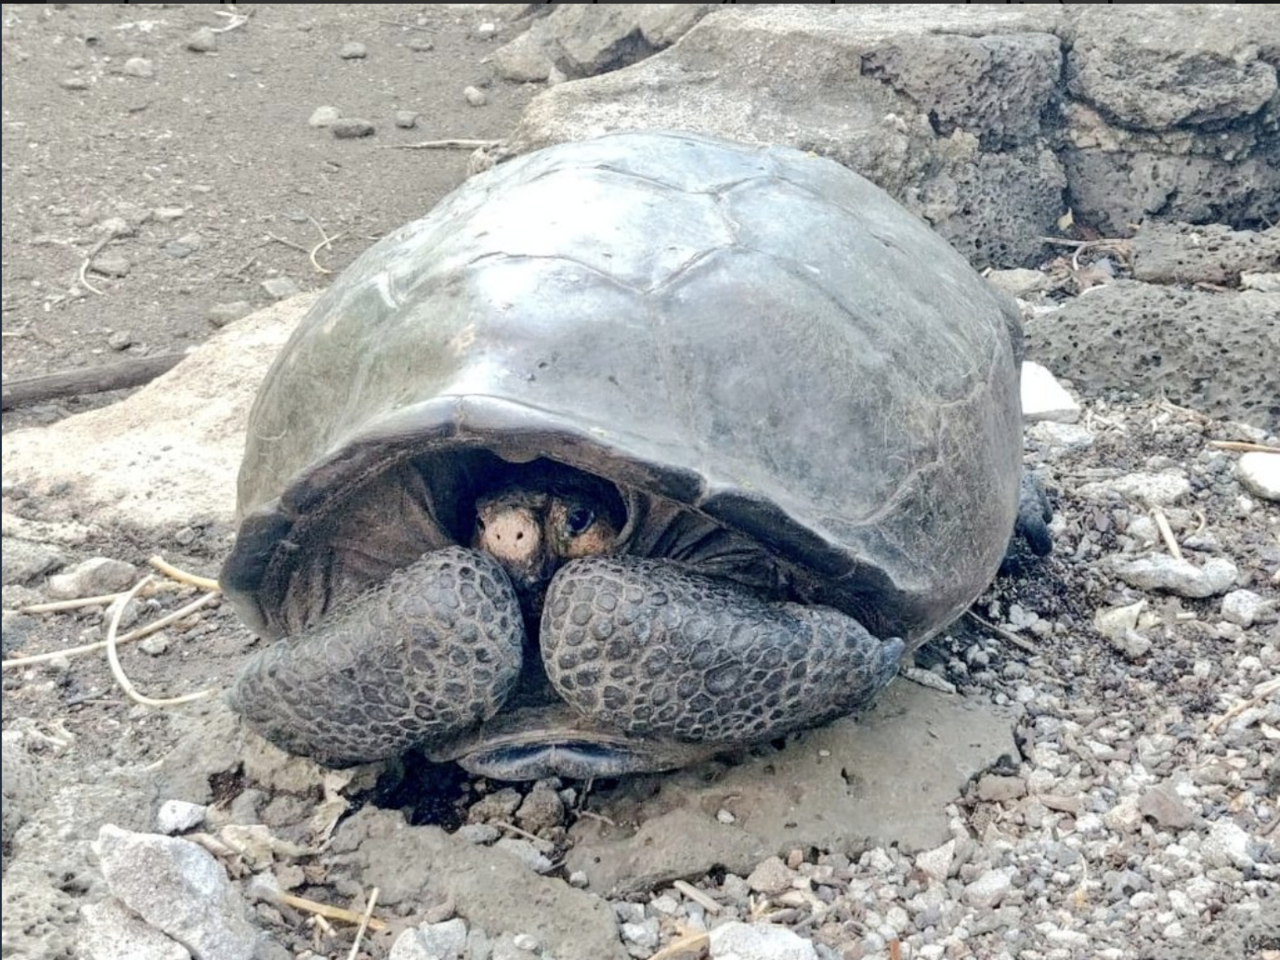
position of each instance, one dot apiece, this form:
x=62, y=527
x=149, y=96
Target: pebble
x=120, y=340
x=579, y=879
x=486, y=31
x=1244, y=607
x=1043, y=398
x=111, y=265
x=353, y=50
x=75, y=83
x=526, y=853
x=1060, y=439
x=1226, y=844
x=179, y=816
x=23, y=560
x=1166, y=809
x=153, y=646
x=757, y=941
x=475, y=96
x=177, y=887
x=771, y=876
x=1259, y=473
x=936, y=863
x=1162, y=572
x=183, y=247
x=1018, y=282
x=420, y=44
x=278, y=288
x=989, y=889
x=526, y=941
x=499, y=805
x=541, y=808
x=643, y=934
x=725, y=817
x=478, y=833
x=1150, y=489
x=203, y=40
x=431, y=941
x=351, y=128
x=167, y=214
x=997, y=789
x=325, y=116
x=406, y=119
x=91, y=578
x=221, y=314
x=138, y=67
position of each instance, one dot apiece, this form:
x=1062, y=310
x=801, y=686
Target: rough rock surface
x=1213, y=352
x=1203, y=253
x=989, y=123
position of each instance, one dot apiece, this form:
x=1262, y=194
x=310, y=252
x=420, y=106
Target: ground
x=211, y=158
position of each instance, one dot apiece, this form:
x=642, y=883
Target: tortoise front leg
x=428, y=653
x=656, y=650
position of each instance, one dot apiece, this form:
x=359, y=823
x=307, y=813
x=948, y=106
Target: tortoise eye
x=579, y=519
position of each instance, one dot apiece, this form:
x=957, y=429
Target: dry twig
x=440, y=145
x=96, y=249
x=1002, y=633
x=174, y=573
x=324, y=243
x=1166, y=533
x=1240, y=446
x=364, y=923
x=1268, y=689
x=117, y=671
x=326, y=910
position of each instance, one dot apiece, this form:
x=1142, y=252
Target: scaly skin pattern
x=656, y=650
x=431, y=651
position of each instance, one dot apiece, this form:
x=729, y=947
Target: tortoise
x=633, y=450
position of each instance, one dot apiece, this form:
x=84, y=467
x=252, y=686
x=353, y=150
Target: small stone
x=1148, y=489
x=526, y=853
x=526, y=941
x=353, y=50
x=138, y=67
x=420, y=44
x=351, y=128
x=1244, y=607
x=1018, y=282
x=23, y=560
x=154, y=645
x=111, y=265
x=324, y=117
x=431, y=941
x=117, y=227
x=579, y=879
x=1043, y=398
x=120, y=340
x=997, y=789
x=757, y=941
x=278, y=288
x=643, y=934
x=1262, y=282
x=92, y=578
x=1163, y=572
x=75, y=83
x=770, y=877
x=167, y=214
x=203, y=40
x=541, y=808
x=989, y=889
x=725, y=817
x=1124, y=817
x=936, y=863
x=220, y=314
x=178, y=816
x=478, y=833
x=406, y=119
x=486, y=31
x=1259, y=473
x=475, y=96
x=1226, y=845
x=499, y=805
x=184, y=246
x=177, y=887
x=1060, y=439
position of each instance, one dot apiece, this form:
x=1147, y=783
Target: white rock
x=1019, y=281
x=179, y=888
x=1043, y=398
x=526, y=852
x=1262, y=282
x=990, y=888
x=937, y=862
x=324, y=117
x=431, y=941
x=109, y=931
x=178, y=816
x=1243, y=607
x=1162, y=572
x=1227, y=843
x=1259, y=473
x=1124, y=817
x=757, y=941
x=1060, y=439
x=1152, y=489
x=92, y=578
